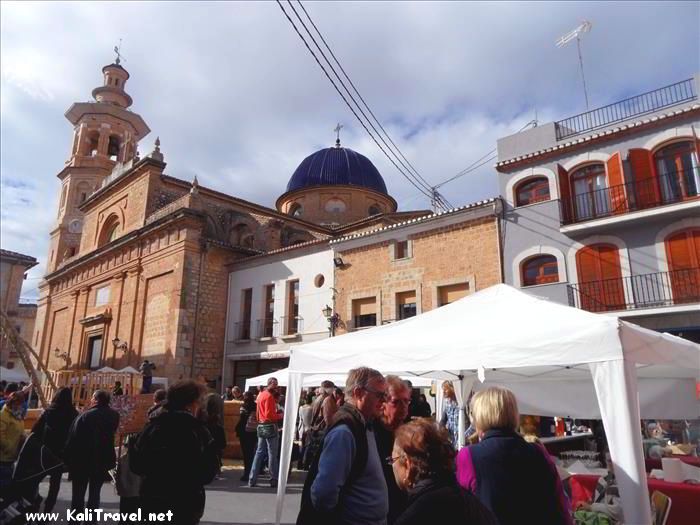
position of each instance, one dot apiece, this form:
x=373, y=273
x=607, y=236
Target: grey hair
x=360, y=378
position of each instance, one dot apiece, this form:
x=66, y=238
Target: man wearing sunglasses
x=346, y=483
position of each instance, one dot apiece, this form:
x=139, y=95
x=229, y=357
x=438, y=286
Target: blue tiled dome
x=337, y=166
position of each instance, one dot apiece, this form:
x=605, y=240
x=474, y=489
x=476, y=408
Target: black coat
x=176, y=456
x=397, y=497
x=443, y=501
x=53, y=426
x=90, y=445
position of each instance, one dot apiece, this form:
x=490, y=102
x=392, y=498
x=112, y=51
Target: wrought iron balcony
x=643, y=104
x=651, y=290
x=669, y=188
x=267, y=328
x=291, y=325
x=241, y=331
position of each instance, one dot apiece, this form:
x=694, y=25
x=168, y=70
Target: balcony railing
x=652, y=290
x=267, y=328
x=292, y=325
x=241, y=331
x=669, y=188
x=631, y=107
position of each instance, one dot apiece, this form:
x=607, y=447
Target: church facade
x=143, y=265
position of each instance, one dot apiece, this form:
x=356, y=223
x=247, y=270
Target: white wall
x=304, y=267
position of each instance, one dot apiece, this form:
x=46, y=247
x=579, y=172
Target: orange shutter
x=564, y=194
x=644, y=173
x=683, y=254
x=616, y=187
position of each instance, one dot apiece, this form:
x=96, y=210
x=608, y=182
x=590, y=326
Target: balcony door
x=590, y=192
x=683, y=256
x=677, y=168
x=94, y=345
x=600, y=278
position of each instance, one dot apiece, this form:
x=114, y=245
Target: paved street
x=228, y=502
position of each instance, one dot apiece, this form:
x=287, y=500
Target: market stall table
x=656, y=463
x=558, y=444
x=685, y=497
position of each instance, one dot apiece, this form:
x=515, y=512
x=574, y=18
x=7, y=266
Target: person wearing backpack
x=52, y=428
x=176, y=456
x=345, y=484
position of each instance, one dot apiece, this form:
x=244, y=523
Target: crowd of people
x=374, y=452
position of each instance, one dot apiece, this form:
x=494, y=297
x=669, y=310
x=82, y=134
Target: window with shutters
x=677, y=170
x=451, y=293
x=683, y=256
x=590, y=192
x=531, y=191
x=364, y=312
x=406, y=304
x=246, y=314
x=542, y=269
x=292, y=307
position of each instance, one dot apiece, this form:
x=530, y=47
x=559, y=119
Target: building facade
x=21, y=314
x=395, y=272
x=275, y=301
x=602, y=210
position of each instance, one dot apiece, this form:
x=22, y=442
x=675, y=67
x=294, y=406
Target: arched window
x=113, y=148
x=591, y=198
x=541, y=269
x=241, y=235
x=678, y=171
x=531, y=191
x=93, y=143
x=110, y=230
x=335, y=206
x=296, y=210
x=374, y=210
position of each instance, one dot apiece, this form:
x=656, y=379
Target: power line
x=358, y=93
x=415, y=183
x=473, y=166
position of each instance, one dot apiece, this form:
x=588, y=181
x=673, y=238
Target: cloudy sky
x=237, y=99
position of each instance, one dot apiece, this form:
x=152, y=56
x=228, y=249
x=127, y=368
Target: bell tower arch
x=105, y=139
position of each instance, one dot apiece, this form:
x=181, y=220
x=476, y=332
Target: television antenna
x=584, y=27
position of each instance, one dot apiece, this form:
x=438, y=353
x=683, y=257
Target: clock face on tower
x=75, y=226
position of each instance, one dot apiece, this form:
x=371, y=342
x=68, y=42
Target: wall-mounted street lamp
x=333, y=319
x=338, y=262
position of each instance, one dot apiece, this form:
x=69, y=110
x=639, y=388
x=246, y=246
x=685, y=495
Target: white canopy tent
x=558, y=360
x=14, y=375
x=316, y=379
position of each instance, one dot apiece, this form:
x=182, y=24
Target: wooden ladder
x=25, y=353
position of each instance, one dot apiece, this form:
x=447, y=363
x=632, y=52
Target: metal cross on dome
x=337, y=129
x=117, y=50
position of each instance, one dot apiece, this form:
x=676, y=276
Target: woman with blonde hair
x=514, y=479
x=423, y=463
x=450, y=413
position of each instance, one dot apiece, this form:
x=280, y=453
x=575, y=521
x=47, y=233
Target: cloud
x=236, y=98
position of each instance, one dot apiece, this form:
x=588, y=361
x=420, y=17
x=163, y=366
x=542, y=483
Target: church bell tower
x=105, y=138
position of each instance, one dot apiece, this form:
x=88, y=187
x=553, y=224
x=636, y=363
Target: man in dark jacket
x=176, y=456
x=89, y=451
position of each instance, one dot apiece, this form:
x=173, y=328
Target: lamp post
x=120, y=345
x=332, y=318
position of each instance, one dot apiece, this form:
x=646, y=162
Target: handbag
x=251, y=424
x=267, y=430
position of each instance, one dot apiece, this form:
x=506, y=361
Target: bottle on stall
x=560, y=428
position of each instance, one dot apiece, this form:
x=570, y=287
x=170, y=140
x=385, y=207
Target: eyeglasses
x=390, y=460
x=380, y=395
